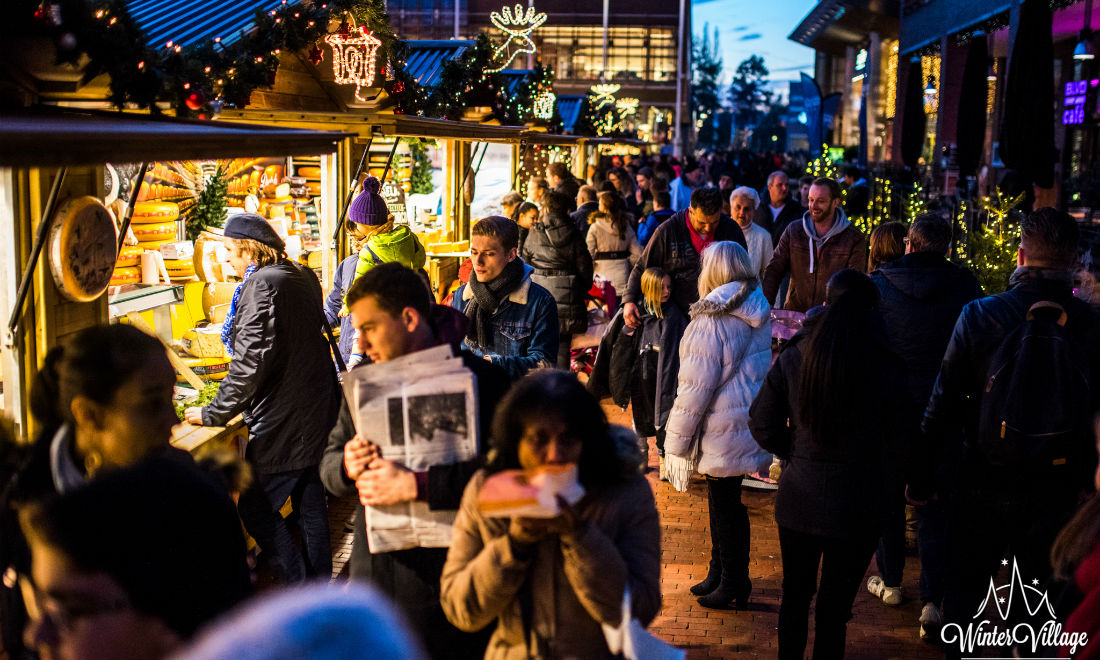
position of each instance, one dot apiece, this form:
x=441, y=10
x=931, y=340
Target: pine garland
x=209, y=209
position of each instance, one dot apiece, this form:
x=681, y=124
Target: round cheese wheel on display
x=284, y=199
x=215, y=368
x=155, y=231
x=154, y=245
x=309, y=172
x=129, y=256
x=127, y=275
x=149, y=212
x=82, y=248
x=314, y=189
x=180, y=268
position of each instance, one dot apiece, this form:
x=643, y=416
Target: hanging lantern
x=353, y=57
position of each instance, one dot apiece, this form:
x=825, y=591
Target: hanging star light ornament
x=627, y=106
x=604, y=93
x=517, y=26
x=544, y=104
x=354, y=50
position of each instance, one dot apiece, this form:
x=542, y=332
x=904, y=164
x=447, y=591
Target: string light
x=604, y=93
x=353, y=58
x=544, y=105
x=517, y=26
x=628, y=106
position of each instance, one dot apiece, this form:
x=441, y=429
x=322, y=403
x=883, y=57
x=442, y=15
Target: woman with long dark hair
x=549, y=584
x=612, y=242
x=823, y=409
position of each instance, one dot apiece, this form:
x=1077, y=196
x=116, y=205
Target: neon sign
x=1074, y=101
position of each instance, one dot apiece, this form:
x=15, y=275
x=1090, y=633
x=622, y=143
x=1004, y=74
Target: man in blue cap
x=282, y=379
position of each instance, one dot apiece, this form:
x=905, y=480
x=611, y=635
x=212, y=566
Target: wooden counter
x=195, y=439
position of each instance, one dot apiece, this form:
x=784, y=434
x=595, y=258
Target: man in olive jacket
x=813, y=250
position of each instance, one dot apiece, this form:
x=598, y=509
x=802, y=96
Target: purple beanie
x=369, y=208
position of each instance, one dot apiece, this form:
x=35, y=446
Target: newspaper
x=421, y=410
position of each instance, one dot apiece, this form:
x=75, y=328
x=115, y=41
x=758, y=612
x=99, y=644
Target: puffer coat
x=724, y=357
x=563, y=266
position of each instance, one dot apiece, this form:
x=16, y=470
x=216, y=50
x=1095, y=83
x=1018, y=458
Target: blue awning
x=187, y=22
x=569, y=108
x=514, y=78
x=427, y=57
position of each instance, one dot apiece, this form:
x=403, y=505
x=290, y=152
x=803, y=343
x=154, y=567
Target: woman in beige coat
x=550, y=583
x=612, y=242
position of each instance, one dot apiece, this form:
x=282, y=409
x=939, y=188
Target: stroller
x=602, y=304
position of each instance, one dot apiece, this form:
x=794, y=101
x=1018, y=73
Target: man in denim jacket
x=513, y=321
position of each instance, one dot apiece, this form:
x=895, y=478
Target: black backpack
x=1037, y=398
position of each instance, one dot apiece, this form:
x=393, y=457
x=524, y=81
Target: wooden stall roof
x=539, y=137
x=52, y=137
x=381, y=125
x=607, y=141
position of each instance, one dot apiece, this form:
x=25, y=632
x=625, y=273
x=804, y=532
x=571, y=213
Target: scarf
x=227, y=325
x=840, y=223
x=1028, y=273
x=487, y=298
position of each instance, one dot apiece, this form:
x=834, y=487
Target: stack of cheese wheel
x=180, y=269
x=128, y=266
x=154, y=223
x=276, y=201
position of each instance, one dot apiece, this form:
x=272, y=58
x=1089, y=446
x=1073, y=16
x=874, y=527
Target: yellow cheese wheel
x=155, y=231
x=180, y=268
x=214, y=368
x=277, y=190
x=82, y=248
x=310, y=172
x=126, y=275
x=314, y=188
x=155, y=245
x=146, y=212
x=130, y=255
x=204, y=344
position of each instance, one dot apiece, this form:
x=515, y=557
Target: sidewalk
x=875, y=631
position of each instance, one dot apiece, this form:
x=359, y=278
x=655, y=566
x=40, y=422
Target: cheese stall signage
x=1076, y=97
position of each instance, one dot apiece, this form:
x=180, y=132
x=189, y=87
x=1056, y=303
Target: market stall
x=62, y=267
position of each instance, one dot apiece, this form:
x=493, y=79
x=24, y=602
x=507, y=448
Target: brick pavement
x=875, y=632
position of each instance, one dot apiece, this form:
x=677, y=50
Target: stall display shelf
x=143, y=297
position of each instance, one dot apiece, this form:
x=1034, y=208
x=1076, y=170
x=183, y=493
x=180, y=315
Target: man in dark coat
x=561, y=180
x=922, y=294
x=395, y=316
x=563, y=266
x=676, y=248
x=813, y=250
x=586, y=204
x=779, y=210
x=1011, y=512
x=283, y=380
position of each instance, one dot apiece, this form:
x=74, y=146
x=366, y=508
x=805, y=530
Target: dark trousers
x=987, y=531
x=564, y=345
x=932, y=543
x=843, y=562
x=729, y=531
x=259, y=508
x=890, y=556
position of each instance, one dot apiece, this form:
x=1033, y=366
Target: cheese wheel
x=214, y=368
x=277, y=190
x=147, y=212
x=155, y=231
x=129, y=256
x=180, y=268
x=126, y=275
x=204, y=344
x=314, y=188
x=285, y=199
x=154, y=245
x=309, y=172
x=82, y=248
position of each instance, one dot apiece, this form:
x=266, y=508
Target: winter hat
x=369, y=208
x=255, y=227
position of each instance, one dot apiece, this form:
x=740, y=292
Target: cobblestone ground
x=875, y=632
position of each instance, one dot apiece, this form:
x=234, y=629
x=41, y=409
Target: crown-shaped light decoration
x=627, y=106
x=605, y=93
x=354, y=50
x=517, y=26
x=544, y=104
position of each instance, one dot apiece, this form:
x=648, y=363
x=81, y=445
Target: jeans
x=843, y=562
x=729, y=531
x=259, y=508
x=564, y=346
x=890, y=556
x=932, y=542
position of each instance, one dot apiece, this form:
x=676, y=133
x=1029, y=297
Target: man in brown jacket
x=815, y=248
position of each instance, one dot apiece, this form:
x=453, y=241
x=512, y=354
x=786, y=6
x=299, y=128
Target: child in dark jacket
x=640, y=366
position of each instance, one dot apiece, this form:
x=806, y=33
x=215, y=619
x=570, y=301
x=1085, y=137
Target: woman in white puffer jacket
x=724, y=356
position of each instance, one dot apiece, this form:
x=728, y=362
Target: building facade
x=637, y=46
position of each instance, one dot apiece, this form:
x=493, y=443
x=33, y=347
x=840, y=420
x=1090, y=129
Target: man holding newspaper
x=408, y=438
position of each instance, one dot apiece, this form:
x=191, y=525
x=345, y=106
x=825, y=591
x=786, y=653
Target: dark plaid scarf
x=487, y=298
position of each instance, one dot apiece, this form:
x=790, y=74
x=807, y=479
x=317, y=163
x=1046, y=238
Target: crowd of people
x=904, y=386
